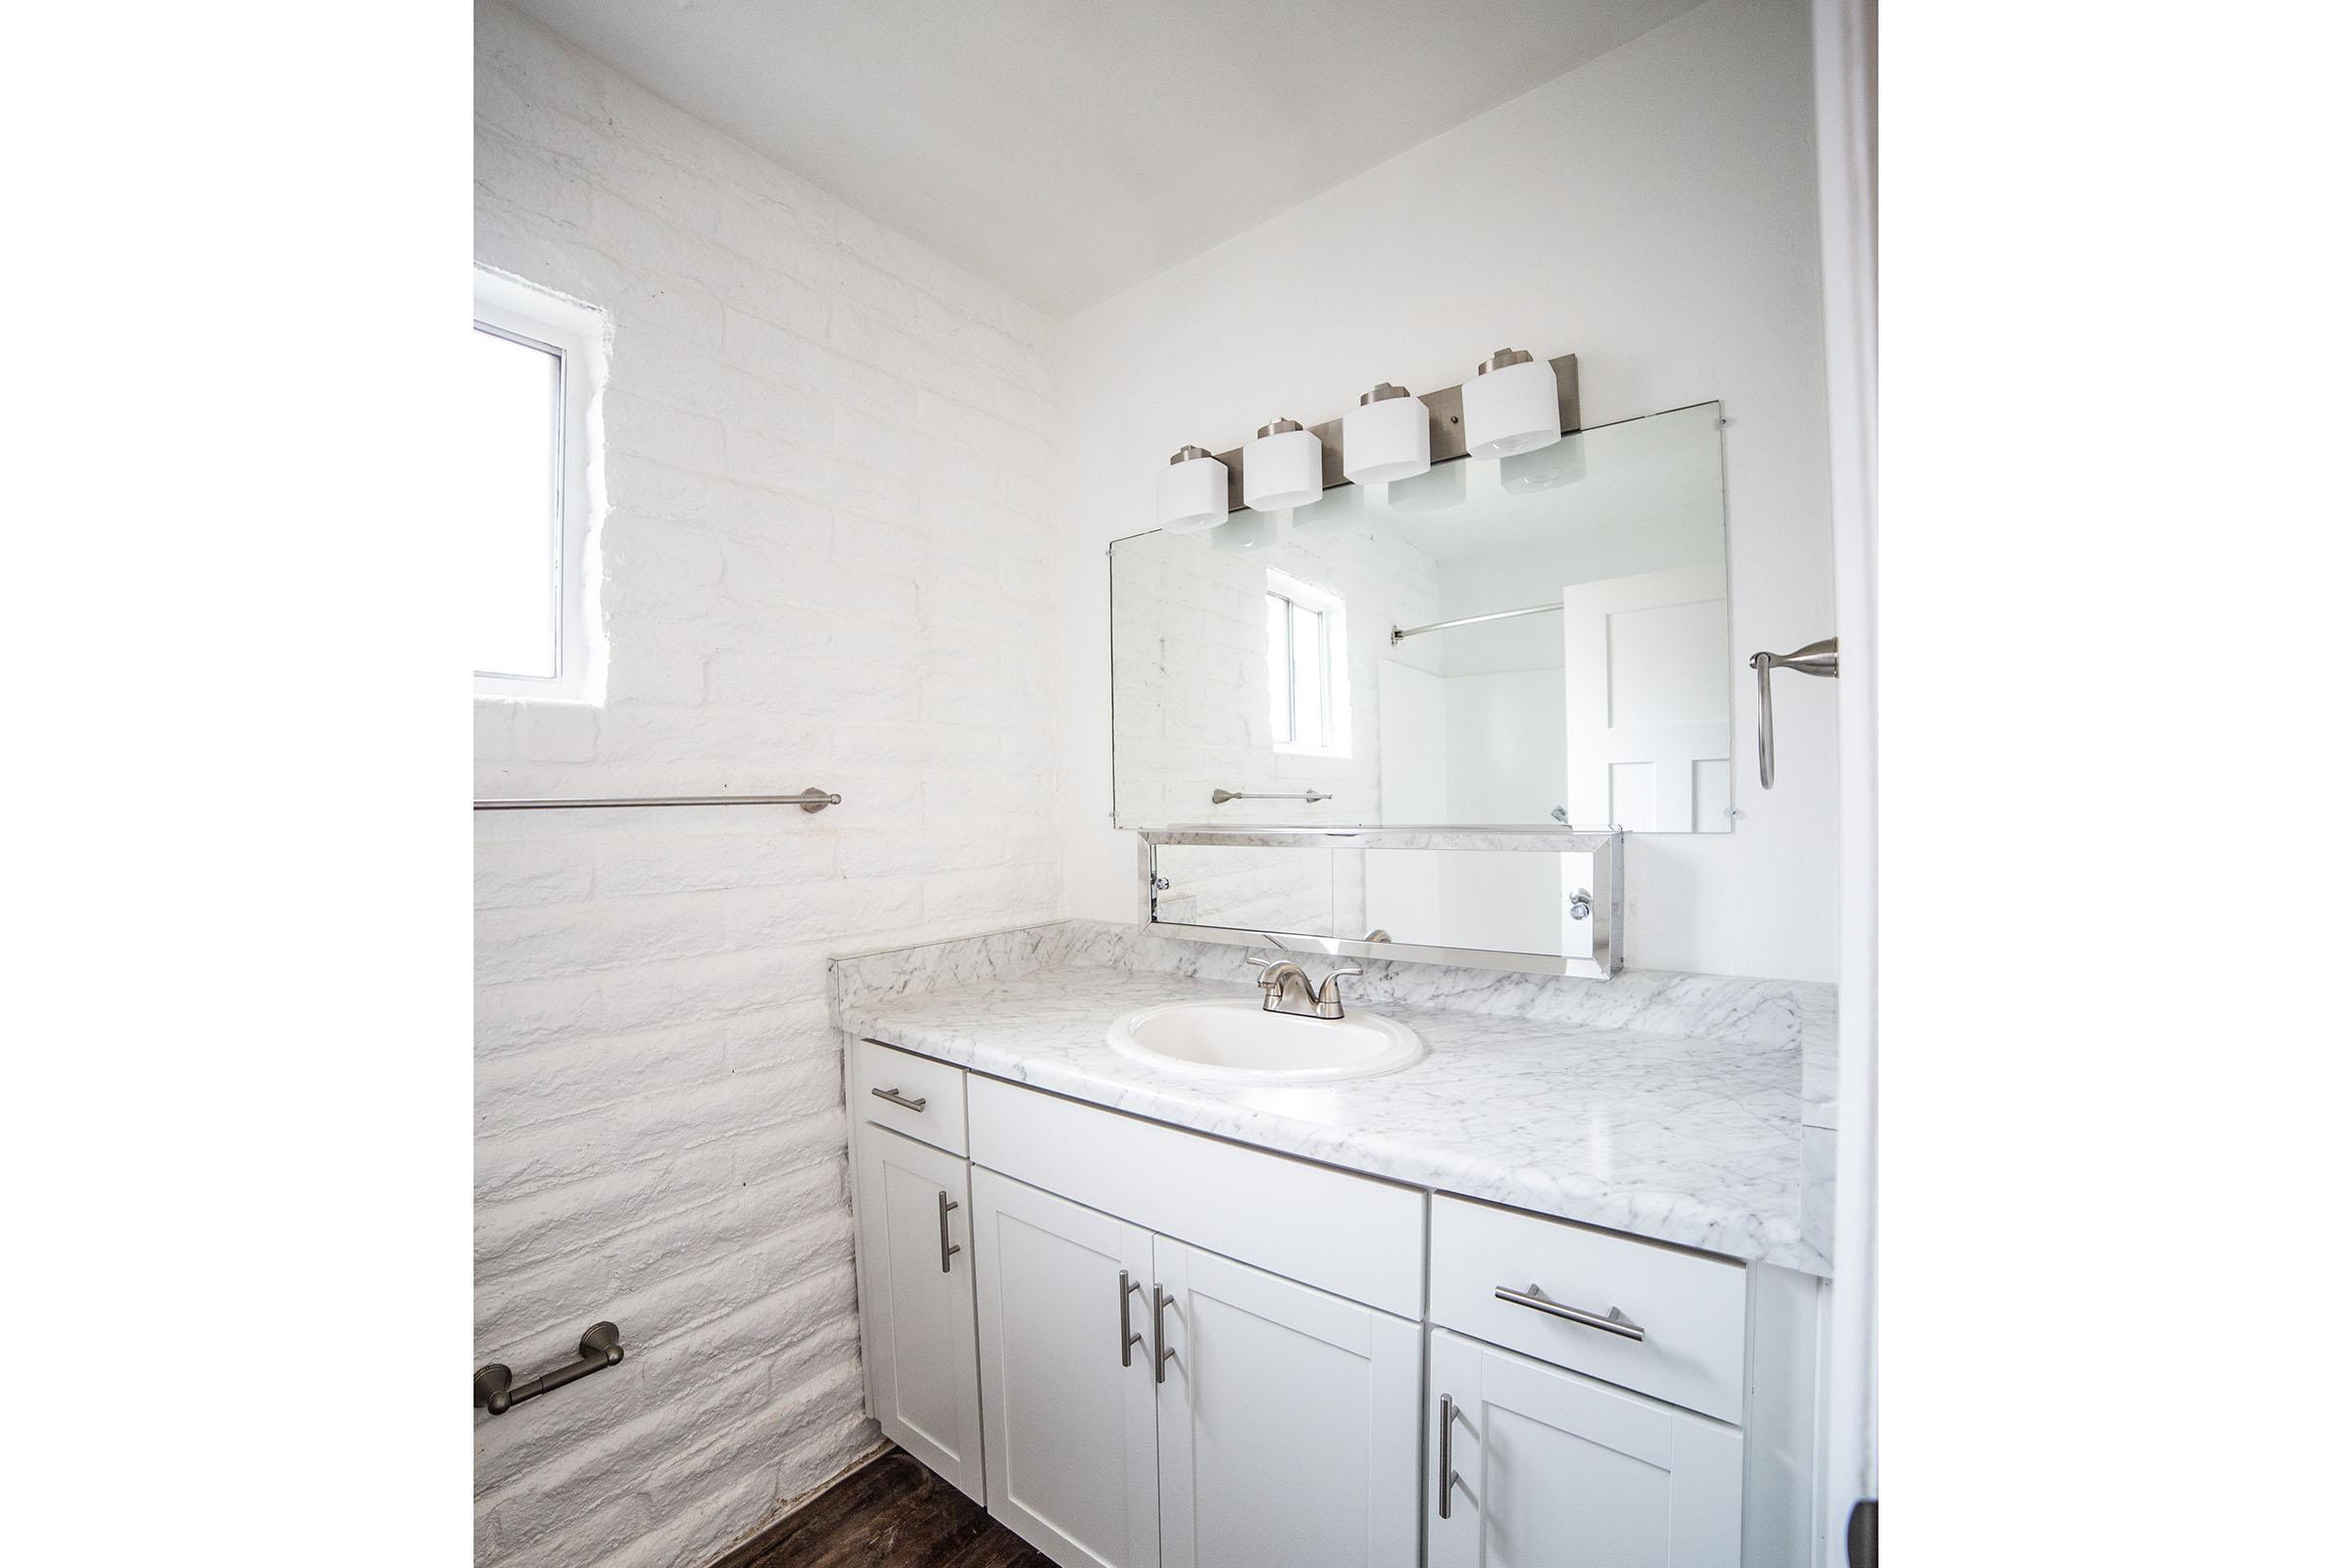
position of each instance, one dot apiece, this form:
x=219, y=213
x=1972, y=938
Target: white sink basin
x=1243, y=1043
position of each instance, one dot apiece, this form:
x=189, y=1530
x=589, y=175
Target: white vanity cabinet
x=922, y=1362
x=1536, y=1467
x=1533, y=1464
x=1066, y=1369
x=1152, y=1403
x=1145, y=1348
x=1286, y=1421
x=915, y=1274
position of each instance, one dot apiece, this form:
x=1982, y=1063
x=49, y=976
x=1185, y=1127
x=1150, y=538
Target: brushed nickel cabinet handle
x=917, y=1103
x=1610, y=1322
x=1129, y=1339
x=944, y=1250
x=1159, y=1335
x=1446, y=1475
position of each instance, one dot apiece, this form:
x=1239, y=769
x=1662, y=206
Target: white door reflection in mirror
x=1648, y=716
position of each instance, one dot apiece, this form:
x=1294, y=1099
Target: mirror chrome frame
x=1604, y=881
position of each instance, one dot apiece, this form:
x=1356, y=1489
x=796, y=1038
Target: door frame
x=1845, y=108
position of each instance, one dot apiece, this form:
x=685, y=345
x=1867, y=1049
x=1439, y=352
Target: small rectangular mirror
x=1539, y=641
x=1544, y=902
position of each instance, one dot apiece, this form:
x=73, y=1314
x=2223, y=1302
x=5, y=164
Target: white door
x=1289, y=1421
x=1553, y=1470
x=1065, y=1295
x=922, y=1361
x=1649, y=701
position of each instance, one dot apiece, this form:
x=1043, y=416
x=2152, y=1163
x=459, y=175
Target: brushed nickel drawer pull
x=1447, y=1477
x=1159, y=1335
x=944, y=1250
x=1129, y=1339
x=1610, y=1322
x=897, y=1098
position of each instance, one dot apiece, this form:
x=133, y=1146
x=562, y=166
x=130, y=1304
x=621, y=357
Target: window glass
x=1278, y=666
x=1309, y=651
x=513, y=499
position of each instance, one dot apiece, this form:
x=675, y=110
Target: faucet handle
x=1327, y=995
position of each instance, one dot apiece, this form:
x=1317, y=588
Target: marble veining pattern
x=1577, y=1105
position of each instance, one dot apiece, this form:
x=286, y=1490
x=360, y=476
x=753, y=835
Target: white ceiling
x=1068, y=149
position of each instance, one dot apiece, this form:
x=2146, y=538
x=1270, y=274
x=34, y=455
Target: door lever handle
x=1814, y=659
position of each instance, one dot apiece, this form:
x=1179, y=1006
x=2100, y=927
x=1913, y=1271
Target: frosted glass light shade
x=1192, y=488
x=1386, y=438
x=1511, y=406
x=1281, y=466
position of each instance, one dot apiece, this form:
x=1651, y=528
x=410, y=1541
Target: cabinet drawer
x=1691, y=1311
x=907, y=1094
x=1349, y=1234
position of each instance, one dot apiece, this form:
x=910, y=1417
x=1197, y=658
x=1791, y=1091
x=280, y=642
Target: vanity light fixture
x=1282, y=466
x=1192, y=491
x=1386, y=438
x=1512, y=405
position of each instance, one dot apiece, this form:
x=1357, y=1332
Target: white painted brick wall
x=830, y=473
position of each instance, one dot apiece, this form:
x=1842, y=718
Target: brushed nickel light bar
x=1447, y=439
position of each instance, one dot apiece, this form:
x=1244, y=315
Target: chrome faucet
x=1288, y=990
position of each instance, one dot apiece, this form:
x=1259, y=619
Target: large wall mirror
x=1535, y=642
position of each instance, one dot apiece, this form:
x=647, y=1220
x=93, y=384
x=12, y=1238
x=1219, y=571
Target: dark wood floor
x=890, y=1513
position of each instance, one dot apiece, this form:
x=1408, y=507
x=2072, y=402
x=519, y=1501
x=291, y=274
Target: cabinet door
x=922, y=1362
x=1069, y=1434
x=1289, y=1421
x=1553, y=1470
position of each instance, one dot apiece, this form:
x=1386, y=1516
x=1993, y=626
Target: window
x=1306, y=666
x=528, y=379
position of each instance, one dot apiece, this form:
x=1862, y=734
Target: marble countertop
x=1683, y=1139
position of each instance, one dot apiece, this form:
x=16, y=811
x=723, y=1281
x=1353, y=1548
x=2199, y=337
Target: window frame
x=1332, y=645
x=575, y=334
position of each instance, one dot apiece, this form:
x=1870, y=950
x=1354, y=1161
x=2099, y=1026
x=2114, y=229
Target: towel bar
x=805, y=799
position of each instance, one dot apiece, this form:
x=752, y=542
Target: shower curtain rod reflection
x=1397, y=634
x=806, y=800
